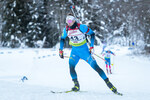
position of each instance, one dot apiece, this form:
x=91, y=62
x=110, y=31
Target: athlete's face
x=70, y=22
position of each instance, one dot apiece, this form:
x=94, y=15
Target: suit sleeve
x=62, y=39
x=112, y=53
x=88, y=31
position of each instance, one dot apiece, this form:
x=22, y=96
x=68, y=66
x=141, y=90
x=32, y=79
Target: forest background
x=40, y=23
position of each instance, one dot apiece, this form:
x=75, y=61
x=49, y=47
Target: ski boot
x=76, y=85
x=109, y=84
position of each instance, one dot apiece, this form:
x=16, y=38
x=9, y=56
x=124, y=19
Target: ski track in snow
x=46, y=71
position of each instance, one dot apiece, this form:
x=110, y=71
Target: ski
x=65, y=91
x=56, y=92
x=119, y=93
x=61, y=91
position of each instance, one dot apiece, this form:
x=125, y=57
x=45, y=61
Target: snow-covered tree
x=114, y=21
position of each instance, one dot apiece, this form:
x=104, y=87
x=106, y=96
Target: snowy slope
x=46, y=71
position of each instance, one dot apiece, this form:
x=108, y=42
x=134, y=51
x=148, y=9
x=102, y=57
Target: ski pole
x=66, y=56
x=101, y=58
x=98, y=56
x=71, y=7
x=69, y=57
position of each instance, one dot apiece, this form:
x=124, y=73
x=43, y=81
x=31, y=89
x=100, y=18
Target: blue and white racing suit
x=107, y=57
x=80, y=49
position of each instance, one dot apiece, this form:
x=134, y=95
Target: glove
x=91, y=49
x=61, y=54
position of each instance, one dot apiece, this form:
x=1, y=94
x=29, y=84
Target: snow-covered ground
x=46, y=71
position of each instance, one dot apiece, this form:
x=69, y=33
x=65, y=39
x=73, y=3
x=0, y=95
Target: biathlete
x=107, y=55
x=77, y=35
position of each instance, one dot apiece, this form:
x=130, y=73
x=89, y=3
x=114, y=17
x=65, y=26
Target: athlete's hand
x=91, y=49
x=61, y=54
